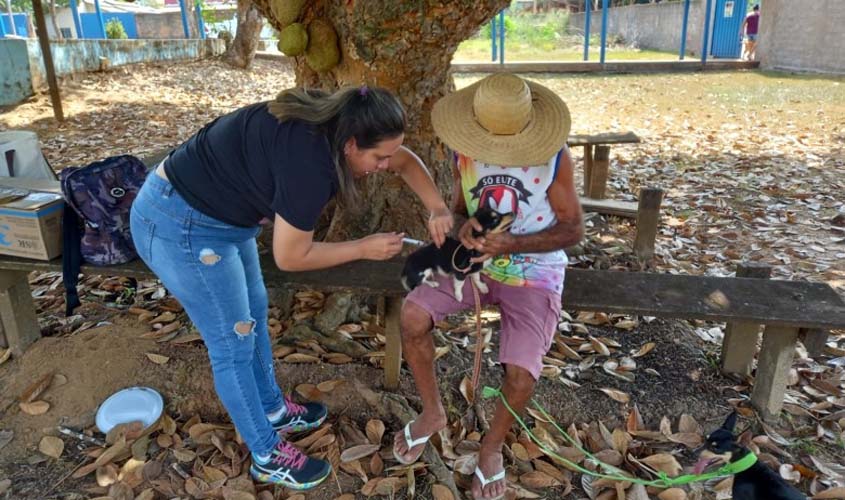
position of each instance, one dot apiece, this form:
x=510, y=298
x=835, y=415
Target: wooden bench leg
x=814, y=340
x=740, y=344
x=588, y=168
x=600, y=172
x=20, y=324
x=648, y=220
x=773, y=370
x=739, y=347
x=380, y=305
x=393, y=349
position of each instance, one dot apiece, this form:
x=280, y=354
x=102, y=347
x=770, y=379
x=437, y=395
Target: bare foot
x=490, y=463
x=424, y=425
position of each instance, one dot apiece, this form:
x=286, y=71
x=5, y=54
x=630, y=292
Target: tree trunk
x=13, y=29
x=54, y=20
x=406, y=47
x=242, y=50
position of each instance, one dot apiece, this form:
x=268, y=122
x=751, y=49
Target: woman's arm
x=296, y=250
x=413, y=171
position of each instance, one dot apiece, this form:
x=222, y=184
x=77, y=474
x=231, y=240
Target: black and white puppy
x=452, y=258
x=759, y=482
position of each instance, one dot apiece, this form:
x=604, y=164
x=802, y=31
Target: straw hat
x=503, y=120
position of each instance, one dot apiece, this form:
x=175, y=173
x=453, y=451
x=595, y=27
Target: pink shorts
x=529, y=316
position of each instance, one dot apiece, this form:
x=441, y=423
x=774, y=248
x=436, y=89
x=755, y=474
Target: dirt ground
x=100, y=361
x=760, y=185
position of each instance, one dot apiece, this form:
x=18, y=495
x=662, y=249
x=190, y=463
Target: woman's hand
x=440, y=222
x=381, y=246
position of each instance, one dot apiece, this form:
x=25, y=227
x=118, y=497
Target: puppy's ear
x=730, y=422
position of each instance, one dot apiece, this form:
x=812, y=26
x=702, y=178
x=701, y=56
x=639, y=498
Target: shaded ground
x=99, y=361
x=762, y=185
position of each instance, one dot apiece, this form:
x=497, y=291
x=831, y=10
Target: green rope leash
x=663, y=481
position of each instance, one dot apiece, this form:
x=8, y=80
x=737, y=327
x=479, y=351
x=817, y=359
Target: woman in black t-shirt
x=195, y=221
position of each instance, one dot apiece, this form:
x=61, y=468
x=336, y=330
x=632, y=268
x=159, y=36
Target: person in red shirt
x=749, y=28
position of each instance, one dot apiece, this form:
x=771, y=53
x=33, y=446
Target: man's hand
x=493, y=245
x=465, y=233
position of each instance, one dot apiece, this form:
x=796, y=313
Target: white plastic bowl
x=130, y=405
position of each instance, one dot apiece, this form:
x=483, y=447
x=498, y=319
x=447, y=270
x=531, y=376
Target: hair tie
x=363, y=90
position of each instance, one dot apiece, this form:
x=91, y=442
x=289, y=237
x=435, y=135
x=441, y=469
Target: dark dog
x=759, y=482
x=453, y=259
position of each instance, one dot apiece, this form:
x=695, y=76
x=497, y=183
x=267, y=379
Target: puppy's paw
x=428, y=278
x=458, y=285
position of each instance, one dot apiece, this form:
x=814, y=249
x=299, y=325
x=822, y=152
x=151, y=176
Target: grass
x=807, y=447
x=479, y=50
x=547, y=37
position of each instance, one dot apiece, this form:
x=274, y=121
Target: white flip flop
x=485, y=481
x=412, y=443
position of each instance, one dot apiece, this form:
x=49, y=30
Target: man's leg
x=752, y=50
x=424, y=306
x=529, y=321
x=517, y=389
x=418, y=350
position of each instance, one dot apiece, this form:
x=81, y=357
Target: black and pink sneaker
x=298, y=418
x=290, y=468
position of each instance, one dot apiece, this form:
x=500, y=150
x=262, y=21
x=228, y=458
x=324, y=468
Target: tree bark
x=241, y=52
x=406, y=47
x=53, y=19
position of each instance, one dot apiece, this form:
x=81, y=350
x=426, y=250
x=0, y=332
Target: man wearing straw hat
x=509, y=141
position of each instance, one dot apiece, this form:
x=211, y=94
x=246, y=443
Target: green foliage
x=115, y=30
x=543, y=31
x=209, y=16
x=26, y=6
x=510, y=25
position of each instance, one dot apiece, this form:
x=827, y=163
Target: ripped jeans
x=212, y=268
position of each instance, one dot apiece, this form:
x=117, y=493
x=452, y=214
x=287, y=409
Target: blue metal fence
x=91, y=23
x=497, y=37
x=20, y=24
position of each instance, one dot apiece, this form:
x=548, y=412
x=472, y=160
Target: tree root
x=334, y=343
x=397, y=406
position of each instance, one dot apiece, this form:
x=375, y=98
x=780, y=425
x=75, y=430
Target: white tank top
x=523, y=191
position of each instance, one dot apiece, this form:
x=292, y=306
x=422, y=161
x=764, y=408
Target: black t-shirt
x=245, y=166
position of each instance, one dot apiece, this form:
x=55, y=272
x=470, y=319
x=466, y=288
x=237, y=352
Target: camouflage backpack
x=99, y=197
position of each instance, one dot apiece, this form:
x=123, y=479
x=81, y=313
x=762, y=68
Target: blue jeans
x=212, y=268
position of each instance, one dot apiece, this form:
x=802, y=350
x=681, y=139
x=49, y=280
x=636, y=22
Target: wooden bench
x=596, y=172
x=597, y=164
x=783, y=308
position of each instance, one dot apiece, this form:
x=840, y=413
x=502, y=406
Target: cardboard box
x=30, y=218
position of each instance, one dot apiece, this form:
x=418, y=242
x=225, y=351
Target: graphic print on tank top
x=523, y=191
